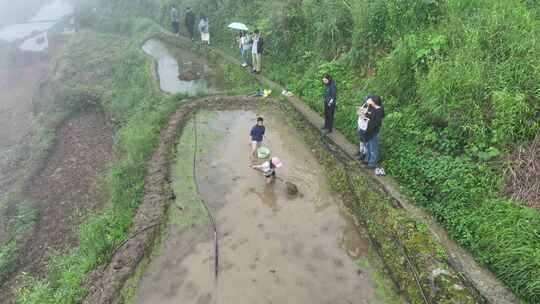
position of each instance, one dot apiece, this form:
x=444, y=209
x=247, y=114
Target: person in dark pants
x=174, y=20
x=190, y=23
x=374, y=111
x=330, y=98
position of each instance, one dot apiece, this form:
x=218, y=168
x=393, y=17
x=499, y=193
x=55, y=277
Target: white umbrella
x=238, y=26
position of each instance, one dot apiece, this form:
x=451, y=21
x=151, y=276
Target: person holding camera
x=370, y=117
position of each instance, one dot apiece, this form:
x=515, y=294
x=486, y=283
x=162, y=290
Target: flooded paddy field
x=180, y=71
x=273, y=248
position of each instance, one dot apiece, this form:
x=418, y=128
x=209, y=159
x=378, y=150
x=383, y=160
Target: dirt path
x=67, y=189
x=273, y=248
x=17, y=87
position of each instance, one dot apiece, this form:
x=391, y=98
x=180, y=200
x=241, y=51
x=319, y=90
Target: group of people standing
x=190, y=19
x=251, y=44
x=251, y=49
x=370, y=116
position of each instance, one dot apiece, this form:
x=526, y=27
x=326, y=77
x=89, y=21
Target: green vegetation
x=130, y=287
x=460, y=85
x=188, y=209
x=459, y=80
x=20, y=213
x=394, y=234
x=18, y=230
x=385, y=287
x=236, y=80
x=113, y=71
x=104, y=69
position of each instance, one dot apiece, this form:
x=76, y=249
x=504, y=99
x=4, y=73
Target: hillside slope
x=460, y=82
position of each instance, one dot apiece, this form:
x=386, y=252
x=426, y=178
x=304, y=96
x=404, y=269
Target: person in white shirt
x=257, y=51
x=268, y=168
x=204, y=29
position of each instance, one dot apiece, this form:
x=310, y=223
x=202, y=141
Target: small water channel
x=173, y=63
x=273, y=248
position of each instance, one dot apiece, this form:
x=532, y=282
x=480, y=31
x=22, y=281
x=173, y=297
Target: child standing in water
x=257, y=135
x=269, y=168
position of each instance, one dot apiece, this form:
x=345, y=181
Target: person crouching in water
x=257, y=135
x=268, y=168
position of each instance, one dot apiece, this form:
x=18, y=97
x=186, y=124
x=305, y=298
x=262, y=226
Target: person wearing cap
x=257, y=135
x=374, y=111
x=268, y=168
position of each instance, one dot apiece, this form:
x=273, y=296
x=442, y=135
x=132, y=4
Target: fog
x=26, y=47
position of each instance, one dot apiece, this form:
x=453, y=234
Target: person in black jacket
x=374, y=111
x=330, y=98
x=190, y=22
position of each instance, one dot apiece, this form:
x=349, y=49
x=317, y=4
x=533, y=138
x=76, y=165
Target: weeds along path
x=69, y=187
x=487, y=287
x=180, y=272
x=19, y=90
x=104, y=284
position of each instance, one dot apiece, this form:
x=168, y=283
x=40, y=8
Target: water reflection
x=169, y=70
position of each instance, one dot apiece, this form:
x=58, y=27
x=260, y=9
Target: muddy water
x=273, y=248
x=169, y=68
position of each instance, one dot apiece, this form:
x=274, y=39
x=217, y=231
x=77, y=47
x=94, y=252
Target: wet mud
x=17, y=87
x=190, y=75
x=274, y=248
x=69, y=187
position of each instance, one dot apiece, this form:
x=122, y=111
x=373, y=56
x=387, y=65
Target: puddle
x=169, y=69
x=50, y=13
x=273, y=248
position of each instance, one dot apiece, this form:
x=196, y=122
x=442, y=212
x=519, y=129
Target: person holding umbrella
x=245, y=48
x=243, y=39
x=190, y=22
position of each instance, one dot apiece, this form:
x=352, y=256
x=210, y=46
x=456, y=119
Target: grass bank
x=460, y=86
x=115, y=70
x=104, y=68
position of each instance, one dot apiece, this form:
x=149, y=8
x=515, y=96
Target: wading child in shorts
x=268, y=168
x=257, y=135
